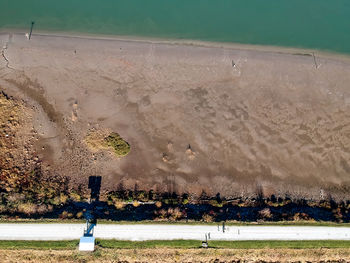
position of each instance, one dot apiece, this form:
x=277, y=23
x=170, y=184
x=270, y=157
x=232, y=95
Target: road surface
x=168, y=232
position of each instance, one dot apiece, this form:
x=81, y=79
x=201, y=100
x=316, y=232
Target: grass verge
x=184, y=244
x=40, y=245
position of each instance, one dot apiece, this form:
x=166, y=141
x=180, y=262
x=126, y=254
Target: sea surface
x=315, y=24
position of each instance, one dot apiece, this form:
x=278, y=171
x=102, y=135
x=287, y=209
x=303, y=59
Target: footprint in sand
x=165, y=158
x=170, y=146
x=74, y=111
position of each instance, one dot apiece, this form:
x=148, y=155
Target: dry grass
x=105, y=140
x=94, y=140
x=178, y=255
x=176, y=251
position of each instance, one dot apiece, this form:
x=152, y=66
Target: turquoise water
x=317, y=24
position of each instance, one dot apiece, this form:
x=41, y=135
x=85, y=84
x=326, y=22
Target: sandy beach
x=228, y=120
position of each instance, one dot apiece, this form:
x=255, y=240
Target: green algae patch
x=109, y=141
x=120, y=147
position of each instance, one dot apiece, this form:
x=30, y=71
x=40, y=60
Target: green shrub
x=121, y=147
x=75, y=196
x=215, y=203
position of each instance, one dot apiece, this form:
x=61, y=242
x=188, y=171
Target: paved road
x=168, y=232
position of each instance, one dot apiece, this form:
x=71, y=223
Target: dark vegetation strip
x=145, y=206
x=182, y=222
x=52, y=199
x=34, y=197
x=117, y=244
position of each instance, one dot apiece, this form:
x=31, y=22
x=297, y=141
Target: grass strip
x=121, y=244
x=40, y=245
x=104, y=243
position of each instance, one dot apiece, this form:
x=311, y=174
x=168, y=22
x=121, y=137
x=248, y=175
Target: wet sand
x=227, y=119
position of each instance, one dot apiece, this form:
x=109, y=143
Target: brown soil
x=179, y=255
x=17, y=137
x=274, y=123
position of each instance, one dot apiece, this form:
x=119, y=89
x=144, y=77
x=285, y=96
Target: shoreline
x=283, y=50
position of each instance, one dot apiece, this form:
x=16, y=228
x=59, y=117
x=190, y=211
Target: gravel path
x=168, y=232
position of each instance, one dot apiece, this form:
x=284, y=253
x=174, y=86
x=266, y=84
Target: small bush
x=119, y=204
x=75, y=197
x=215, y=203
x=99, y=140
x=79, y=214
x=162, y=214
x=207, y=218
x=27, y=208
x=175, y=214
x=55, y=201
x=265, y=213
x=63, y=215
x=63, y=198
x=135, y=203
x=70, y=215
x=301, y=216
x=121, y=147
